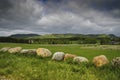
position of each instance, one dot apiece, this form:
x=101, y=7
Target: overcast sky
x=59, y=16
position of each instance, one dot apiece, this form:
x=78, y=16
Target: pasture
x=32, y=67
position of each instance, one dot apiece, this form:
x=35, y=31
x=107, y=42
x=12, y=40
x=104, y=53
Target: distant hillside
x=23, y=35
x=58, y=36
x=75, y=35
x=36, y=36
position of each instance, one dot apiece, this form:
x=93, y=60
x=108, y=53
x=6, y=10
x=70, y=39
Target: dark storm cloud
x=4, y=4
x=18, y=13
x=106, y=4
x=109, y=6
x=4, y=7
x=59, y=16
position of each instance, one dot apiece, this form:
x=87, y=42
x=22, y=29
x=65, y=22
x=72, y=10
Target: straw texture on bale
x=69, y=56
x=15, y=50
x=116, y=62
x=80, y=59
x=28, y=51
x=100, y=60
x=58, y=56
x=43, y=52
x=5, y=49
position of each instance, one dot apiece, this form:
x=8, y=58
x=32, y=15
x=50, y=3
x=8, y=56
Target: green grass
x=32, y=67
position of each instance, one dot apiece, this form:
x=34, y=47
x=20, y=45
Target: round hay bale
x=69, y=56
x=80, y=59
x=116, y=62
x=28, y=51
x=5, y=49
x=15, y=50
x=100, y=60
x=43, y=52
x=24, y=51
x=58, y=56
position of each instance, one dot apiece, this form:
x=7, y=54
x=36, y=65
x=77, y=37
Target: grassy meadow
x=32, y=67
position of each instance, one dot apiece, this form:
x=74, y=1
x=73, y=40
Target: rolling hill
x=23, y=35
x=74, y=35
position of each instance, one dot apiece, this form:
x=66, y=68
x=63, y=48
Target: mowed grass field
x=32, y=67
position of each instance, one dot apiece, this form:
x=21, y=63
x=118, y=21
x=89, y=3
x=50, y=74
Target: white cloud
x=76, y=23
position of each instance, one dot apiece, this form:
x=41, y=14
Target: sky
x=59, y=17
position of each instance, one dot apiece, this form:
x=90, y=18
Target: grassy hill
x=35, y=36
x=74, y=35
x=23, y=35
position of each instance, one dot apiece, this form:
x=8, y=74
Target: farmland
x=32, y=67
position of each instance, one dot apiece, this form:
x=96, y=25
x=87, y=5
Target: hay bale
x=58, y=56
x=5, y=49
x=116, y=62
x=100, y=60
x=24, y=51
x=15, y=50
x=28, y=51
x=43, y=52
x=80, y=59
x=69, y=56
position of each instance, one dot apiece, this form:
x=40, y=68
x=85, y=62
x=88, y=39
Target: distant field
x=32, y=67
